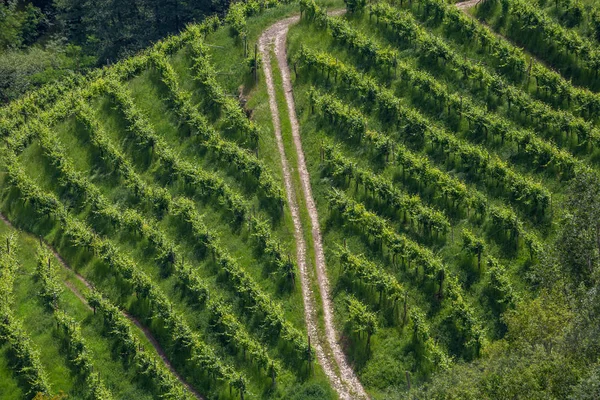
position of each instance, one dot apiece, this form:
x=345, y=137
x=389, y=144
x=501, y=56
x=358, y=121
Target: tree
x=19, y=24
x=596, y=24
x=41, y=396
x=578, y=245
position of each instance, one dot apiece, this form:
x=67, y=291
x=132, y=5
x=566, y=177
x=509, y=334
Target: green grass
x=149, y=94
x=572, y=67
x=40, y=325
x=9, y=386
x=392, y=352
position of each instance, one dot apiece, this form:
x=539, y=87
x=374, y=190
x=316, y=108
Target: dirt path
x=344, y=381
x=149, y=336
x=463, y=5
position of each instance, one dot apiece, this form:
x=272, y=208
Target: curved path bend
x=464, y=5
x=334, y=363
x=149, y=336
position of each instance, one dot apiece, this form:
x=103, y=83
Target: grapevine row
x=135, y=223
x=26, y=354
x=371, y=225
x=17, y=112
x=534, y=21
x=372, y=275
x=206, y=75
x=339, y=167
x=540, y=151
x=406, y=29
x=511, y=59
x=375, y=227
x=421, y=170
x=226, y=151
x=80, y=235
x=80, y=355
x=244, y=285
x=132, y=349
x=201, y=181
x=588, y=17
x=523, y=191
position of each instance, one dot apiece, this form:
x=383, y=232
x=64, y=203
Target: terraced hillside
x=439, y=168
x=150, y=180
x=296, y=203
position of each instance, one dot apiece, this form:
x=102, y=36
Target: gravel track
x=463, y=5
x=334, y=363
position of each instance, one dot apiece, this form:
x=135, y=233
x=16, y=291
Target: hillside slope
x=302, y=203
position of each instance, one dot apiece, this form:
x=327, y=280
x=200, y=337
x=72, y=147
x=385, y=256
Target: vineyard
x=346, y=210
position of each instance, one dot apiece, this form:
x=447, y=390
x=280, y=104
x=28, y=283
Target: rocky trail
x=333, y=362
x=463, y=5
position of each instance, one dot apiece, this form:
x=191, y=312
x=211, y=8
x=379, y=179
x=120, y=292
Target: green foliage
x=355, y=5
x=510, y=61
x=361, y=269
x=427, y=218
x=500, y=287
x=596, y=24
x=46, y=273
x=530, y=25
x=165, y=251
x=473, y=245
x=310, y=391
x=205, y=74
x=118, y=327
x=579, y=239
x=446, y=316
x=360, y=320
x=204, y=183
x=534, y=22
x=573, y=14
x=227, y=152
x=588, y=388
x=404, y=27
x=80, y=235
x=429, y=351
x=236, y=18
x=113, y=29
x=22, y=350
x=18, y=24
x=529, y=193
x=80, y=356
x=521, y=367
x=454, y=192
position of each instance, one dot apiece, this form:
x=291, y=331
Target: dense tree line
x=42, y=40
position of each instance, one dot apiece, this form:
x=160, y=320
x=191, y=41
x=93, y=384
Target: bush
x=355, y=5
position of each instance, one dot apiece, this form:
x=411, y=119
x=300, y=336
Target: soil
x=463, y=5
x=334, y=363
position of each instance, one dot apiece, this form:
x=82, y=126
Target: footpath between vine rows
x=149, y=336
